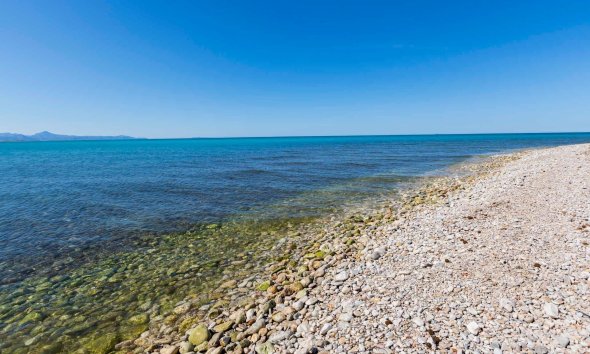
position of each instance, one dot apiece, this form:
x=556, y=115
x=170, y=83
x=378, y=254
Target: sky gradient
x=266, y=68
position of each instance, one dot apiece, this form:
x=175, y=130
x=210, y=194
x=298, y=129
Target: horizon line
x=289, y=136
x=365, y=135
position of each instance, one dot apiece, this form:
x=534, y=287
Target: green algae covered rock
x=101, y=345
x=199, y=335
x=142, y=318
x=223, y=327
x=264, y=285
x=187, y=323
x=130, y=332
x=171, y=319
x=320, y=254
x=51, y=348
x=317, y=254
x=32, y=317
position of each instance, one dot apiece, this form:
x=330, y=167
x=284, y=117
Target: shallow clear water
x=80, y=210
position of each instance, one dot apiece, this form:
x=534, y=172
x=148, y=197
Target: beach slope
x=502, y=265
x=493, y=260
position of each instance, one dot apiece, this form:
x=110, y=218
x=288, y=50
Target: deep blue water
x=58, y=196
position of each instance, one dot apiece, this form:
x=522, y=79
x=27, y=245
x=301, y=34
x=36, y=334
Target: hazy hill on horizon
x=48, y=136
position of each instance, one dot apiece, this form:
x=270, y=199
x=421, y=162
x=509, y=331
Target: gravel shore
x=497, y=261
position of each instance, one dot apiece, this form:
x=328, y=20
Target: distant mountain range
x=47, y=136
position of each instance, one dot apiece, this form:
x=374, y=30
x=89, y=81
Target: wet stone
x=199, y=335
x=223, y=327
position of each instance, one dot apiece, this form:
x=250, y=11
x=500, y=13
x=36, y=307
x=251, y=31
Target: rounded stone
x=198, y=335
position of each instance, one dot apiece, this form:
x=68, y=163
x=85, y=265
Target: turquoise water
x=86, y=225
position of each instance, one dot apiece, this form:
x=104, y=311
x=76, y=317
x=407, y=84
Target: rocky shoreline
x=496, y=260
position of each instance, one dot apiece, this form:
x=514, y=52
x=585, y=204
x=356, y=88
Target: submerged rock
x=53, y=348
x=101, y=345
x=32, y=317
x=139, y=319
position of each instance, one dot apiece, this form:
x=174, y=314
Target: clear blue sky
x=261, y=68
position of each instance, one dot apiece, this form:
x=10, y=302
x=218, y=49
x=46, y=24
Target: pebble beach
x=492, y=260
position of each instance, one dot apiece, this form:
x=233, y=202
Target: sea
x=83, y=224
